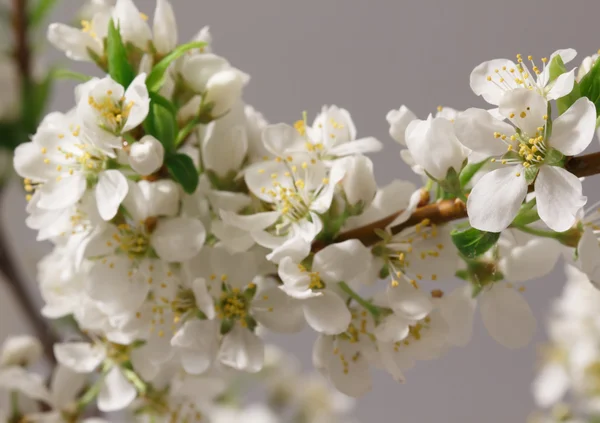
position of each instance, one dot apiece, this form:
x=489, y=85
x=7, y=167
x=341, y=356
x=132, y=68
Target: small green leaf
x=156, y=78
x=181, y=168
x=119, y=67
x=69, y=74
x=161, y=122
x=473, y=242
x=226, y=326
x=589, y=86
x=40, y=11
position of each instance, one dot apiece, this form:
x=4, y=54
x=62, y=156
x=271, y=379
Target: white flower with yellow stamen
x=133, y=258
x=60, y=163
x=345, y=358
x=324, y=309
x=297, y=189
x=530, y=152
x=494, y=78
x=332, y=135
x=108, y=111
x=233, y=299
x=85, y=43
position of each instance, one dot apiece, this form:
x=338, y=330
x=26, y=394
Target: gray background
x=370, y=57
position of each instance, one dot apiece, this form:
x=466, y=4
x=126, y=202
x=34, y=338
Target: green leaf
x=589, y=86
x=119, y=67
x=156, y=78
x=41, y=11
x=161, y=122
x=473, y=242
x=69, y=74
x=181, y=168
x=530, y=174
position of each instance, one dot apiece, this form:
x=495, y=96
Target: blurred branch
x=18, y=286
x=447, y=210
x=21, y=35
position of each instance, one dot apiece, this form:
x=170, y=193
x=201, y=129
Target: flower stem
x=537, y=232
x=374, y=310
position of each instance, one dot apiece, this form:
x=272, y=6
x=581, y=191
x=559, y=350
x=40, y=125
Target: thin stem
x=374, y=310
x=446, y=210
x=537, y=232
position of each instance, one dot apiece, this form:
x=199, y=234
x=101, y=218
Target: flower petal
x=491, y=89
x=342, y=262
x=81, y=357
x=327, y=314
x=116, y=393
x=495, y=200
x=525, y=108
x=559, y=197
x=110, y=192
x=458, y=309
x=562, y=86
x=277, y=312
x=507, y=316
x=573, y=131
x=178, y=239
x=475, y=129
x=399, y=120
x=551, y=384
x=63, y=193
x=242, y=350
x=408, y=301
x=280, y=138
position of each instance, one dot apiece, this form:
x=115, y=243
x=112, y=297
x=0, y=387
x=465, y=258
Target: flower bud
x=146, y=156
x=434, y=146
x=165, y=28
x=399, y=121
x=224, y=89
x=359, y=182
x=20, y=351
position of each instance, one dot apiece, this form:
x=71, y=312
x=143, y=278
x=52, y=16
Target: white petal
x=393, y=328
x=252, y=222
x=458, y=309
x=562, y=86
x=137, y=93
x=295, y=281
x=164, y=28
x=62, y=194
x=178, y=239
x=277, y=312
x=116, y=393
x=495, y=200
x=280, y=138
x=30, y=384
x=132, y=26
x=81, y=357
x=399, y=120
x=408, y=301
x=491, y=91
x=531, y=259
x=573, y=131
x=550, y=385
x=559, y=197
x=65, y=386
x=295, y=247
x=342, y=262
x=360, y=146
x=475, y=129
x=197, y=341
x=204, y=300
x=507, y=316
x=525, y=108
x=73, y=41
x=353, y=378
x=110, y=192
x=242, y=350
x=327, y=313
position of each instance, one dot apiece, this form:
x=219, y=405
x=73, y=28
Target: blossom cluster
x=185, y=226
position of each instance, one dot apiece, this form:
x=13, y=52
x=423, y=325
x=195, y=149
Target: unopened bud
x=20, y=351
x=224, y=89
x=359, y=182
x=146, y=156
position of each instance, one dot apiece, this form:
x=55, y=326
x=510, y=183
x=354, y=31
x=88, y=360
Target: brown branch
x=447, y=210
x=22, y=50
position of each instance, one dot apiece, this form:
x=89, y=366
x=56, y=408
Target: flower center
x=132, y=241
x=233, y=305
x=113, y=113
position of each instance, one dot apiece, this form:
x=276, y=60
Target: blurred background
x=369, y=57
